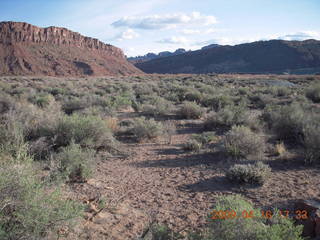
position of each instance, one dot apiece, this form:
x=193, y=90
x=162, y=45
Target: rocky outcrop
x=30, y=50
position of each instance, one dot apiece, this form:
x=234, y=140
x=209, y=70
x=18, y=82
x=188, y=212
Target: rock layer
x=26, y=49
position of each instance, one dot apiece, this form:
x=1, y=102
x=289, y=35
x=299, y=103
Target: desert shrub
x=205, y=137
x=41, y=100
x=57, y=91
x=190, y=110
x=12, y=139
x=74, y=163
x=163, y=232
x=256, y=173
x=123, y=100
x=286, y=121
x=75, y=104
x=232, y=115
x=261, y=100
x=169, y=129
x=241, y=142
x=243, y=91
x=88, y=131
x=157, y=107
x=282, y=91
x=193, y=96
x=217, y=102
x=144, y=129
x=6, y=103
x=28, y=209
x=243, y=228
x=313, y=92
x=192, y=145
x=311, y=142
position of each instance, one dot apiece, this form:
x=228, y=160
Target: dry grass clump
x=256, y=173
x=280, y=149
x=241, y=142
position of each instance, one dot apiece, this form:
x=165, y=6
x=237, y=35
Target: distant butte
x=26, y=49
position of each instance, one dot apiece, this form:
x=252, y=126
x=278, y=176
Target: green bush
x=282, y=91
x=41, y=100
x=157, y=107
x=27, y=209
x=193, y=96
x=311, y=142
x=217, y=102
x=241, y=142
x=205, y=137
x=192, y=145
x=313, y=92
x=75, y=104
x=162, y=232
x=74, y=163
x=232, y=115
x=190, y=110
x=88, y=131
x=6, y=103
x=256, y=173
x=255, y=228
x=144, y=129
x=286, y=121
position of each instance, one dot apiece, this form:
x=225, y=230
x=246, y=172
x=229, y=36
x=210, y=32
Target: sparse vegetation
x=55, y=132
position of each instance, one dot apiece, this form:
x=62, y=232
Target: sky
x=142, y=26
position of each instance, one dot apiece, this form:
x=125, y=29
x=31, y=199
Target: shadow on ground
x=187, y=160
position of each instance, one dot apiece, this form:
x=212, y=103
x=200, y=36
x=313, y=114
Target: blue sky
x=141, y=26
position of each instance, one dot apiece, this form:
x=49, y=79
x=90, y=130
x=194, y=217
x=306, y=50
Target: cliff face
x=30, y=50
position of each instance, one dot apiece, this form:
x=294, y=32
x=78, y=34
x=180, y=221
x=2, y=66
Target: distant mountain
x=210, y=46
x=274, y=56
x=26, y=49
x=150, y=56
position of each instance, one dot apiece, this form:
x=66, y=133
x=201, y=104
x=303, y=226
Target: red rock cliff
x=17, y=38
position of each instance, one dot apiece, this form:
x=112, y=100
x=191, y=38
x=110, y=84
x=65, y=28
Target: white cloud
x=127, y=35
x=303, y=35
x=188, y=31
x=165, y=21
x=174, y=40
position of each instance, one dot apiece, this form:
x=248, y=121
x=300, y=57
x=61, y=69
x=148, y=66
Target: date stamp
x=266, y=214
